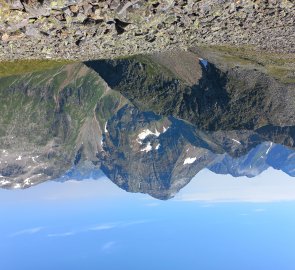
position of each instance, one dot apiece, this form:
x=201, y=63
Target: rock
x=16, y=5
x=97, y=15
x=32, y=31
x=81, y=17
x=5, y=37
x=74, y=8
x=35, y=12
x=87, y=8
x=178, y=23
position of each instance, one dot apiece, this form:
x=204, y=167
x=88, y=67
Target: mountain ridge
x=142, y=123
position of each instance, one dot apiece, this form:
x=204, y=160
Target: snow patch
x=203, y=62
x=27, y=181
x=157, y=146
x=189, y=160
x=105, y=127
x=4, y=182
x=147, y=132
x=19, y=158
x=157, y=133
x=144, y=134
x=236, y=141
x=17, y=185
x=267, y=151
x=138, y=141
x=34, y=158
x=147, y=148
x=165, y=129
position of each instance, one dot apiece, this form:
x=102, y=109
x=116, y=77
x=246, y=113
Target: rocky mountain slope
x=84, y=29
x=48, y=120
x=145, y=122
x=217, y=97
x=143, y=152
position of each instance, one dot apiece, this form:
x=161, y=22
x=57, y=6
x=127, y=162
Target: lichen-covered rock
x=114, y=28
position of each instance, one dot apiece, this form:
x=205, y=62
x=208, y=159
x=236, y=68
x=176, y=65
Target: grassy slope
x=29, y=103
x=37, y=104
x=28, y=66
x=279, y=66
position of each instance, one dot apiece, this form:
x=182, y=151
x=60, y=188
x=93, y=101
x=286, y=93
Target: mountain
x=49, y=120
x=216, y=98
x=149, y=123
x=144, y=152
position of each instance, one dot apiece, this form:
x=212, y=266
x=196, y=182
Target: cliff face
x=145, y=122
x=221, y=98
x=84, y=30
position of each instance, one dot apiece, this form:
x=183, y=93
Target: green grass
x=28, y=66
x=280, y=66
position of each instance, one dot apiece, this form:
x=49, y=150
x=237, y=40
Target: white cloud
x=27, y=231
x=122, y=224
x=108, y=246
x=98, y=227
x=103, y=227
x=64, y=234
x=135, y=222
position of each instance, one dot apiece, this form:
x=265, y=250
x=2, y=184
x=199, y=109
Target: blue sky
x=210, y=224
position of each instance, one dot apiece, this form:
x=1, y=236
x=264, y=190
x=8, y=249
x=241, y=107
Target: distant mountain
x=143, y=152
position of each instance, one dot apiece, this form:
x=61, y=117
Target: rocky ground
x=85, y=29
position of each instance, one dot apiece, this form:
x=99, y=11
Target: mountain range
x=149, y=123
